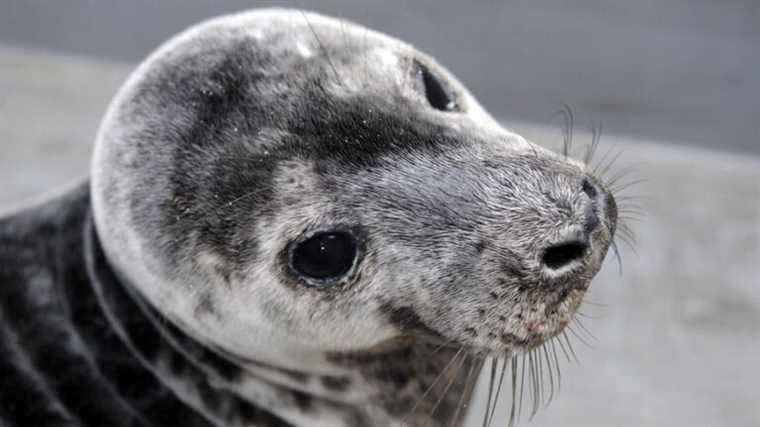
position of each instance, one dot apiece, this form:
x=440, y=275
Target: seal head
x=283, y=186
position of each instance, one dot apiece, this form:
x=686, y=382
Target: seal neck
x=413, y=384
x=188, y=369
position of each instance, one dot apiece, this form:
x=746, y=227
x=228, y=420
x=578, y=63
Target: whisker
x=455, y=418
x=450, y=383
x=622, y=172
x=631, y=245
x=534, y=385
x=616, y=252
x=556, y=363
x=533, y=150
x=627, y=237
x=589, y=301
x=522, y=385
x=596, y=136
x=567, y=129
x=435, y=381
x=634, y=197
x=579, y=336
x=442, y=345
x=570, y=347
x=626, y=204
x=563, y=348
x=632, y=212
x=322, y=47
x=514, y=393
x=550, y=372
x=498, y=389
x=611, y=162
x=625, y=186
x=540, y=377
x=626, y=231
x=584, y=329
x=586, y=315
x=602, y=161
x=489, y=408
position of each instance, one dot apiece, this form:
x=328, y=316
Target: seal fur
x=234, y=141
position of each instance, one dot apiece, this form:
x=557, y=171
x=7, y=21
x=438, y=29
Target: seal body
x=291, y=220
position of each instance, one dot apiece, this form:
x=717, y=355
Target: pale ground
x=677, y=335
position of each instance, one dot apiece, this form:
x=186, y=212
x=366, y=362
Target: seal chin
x=537, y=330
x=528, y=325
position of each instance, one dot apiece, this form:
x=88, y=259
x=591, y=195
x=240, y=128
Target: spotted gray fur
x=249, y=132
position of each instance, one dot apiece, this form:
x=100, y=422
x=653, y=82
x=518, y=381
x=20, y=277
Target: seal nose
x=574, y=248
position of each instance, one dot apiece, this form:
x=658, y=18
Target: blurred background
x=675, y=83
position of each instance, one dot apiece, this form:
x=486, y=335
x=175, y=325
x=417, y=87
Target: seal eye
x=326, y=255
x=438, y=95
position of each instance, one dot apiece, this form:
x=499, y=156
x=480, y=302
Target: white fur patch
x=303, y=50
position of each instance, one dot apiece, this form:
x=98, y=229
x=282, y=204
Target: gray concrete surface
x=683, y=71
x=678, y=334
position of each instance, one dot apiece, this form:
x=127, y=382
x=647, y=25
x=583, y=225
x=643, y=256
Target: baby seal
x=291, y=220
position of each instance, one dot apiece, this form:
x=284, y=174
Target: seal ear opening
x=438, y=95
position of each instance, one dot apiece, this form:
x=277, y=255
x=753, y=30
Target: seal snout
x=576, y=244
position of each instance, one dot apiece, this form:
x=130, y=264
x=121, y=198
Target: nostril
x=592, y=219
x=558, y=256
x=589, y=189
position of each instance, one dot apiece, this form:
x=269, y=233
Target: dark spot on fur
x=502, y=318
x=358, y=358
x=289, y=201
x=471, y=331
x=205, y=306
x=406, y=319
x=294, y=375
x=335, y=383
x=355, y=418
x=494, y=295
x=505, y=338
x=397, y=376
x=394, y=368
x=211, y=397
x=177, y=364
x=303, y=401
x=241, y=360
x=399, y=407
x=224, y=271
x=481, y=312
x=252, y=415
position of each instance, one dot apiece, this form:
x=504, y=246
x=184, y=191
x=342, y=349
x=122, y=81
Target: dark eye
x=326, y=255
x=438, y=95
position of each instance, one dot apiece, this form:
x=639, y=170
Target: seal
x=291, y=220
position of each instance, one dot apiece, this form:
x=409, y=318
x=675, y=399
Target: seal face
x=304, y=198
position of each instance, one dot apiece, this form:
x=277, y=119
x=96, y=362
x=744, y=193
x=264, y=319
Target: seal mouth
x=537, y=324
x=531, y=329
